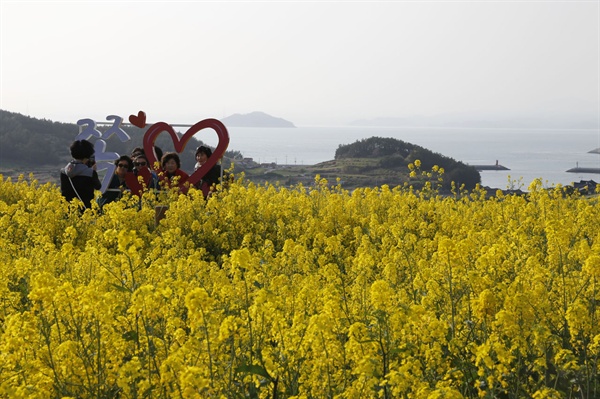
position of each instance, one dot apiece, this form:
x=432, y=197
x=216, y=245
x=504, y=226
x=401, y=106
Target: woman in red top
x=172, y=175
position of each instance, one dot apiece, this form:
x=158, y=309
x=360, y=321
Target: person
x=171, y=174
x=79, y=178
x=141, y=163
x=159, y=153
x=137, y=151
x=213, y=176
x=117, y=184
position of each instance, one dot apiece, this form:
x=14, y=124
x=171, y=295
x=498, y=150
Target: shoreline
x=490, y=167
x=584, y=170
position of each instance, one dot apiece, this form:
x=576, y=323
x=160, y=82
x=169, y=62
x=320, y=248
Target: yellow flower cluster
x=264, y=291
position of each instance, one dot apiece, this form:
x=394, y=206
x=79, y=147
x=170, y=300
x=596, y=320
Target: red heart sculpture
x=180, y=143
x=139, y=120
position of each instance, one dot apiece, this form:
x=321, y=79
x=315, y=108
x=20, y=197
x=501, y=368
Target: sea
x=529, y=154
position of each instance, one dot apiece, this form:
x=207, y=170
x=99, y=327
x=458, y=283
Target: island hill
x=255, y=119
x=369, y=163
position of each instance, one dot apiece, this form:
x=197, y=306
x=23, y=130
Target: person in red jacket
x=171, y=174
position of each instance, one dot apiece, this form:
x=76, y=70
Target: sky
x=314, y=63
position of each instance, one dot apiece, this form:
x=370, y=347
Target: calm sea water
x=528, y=153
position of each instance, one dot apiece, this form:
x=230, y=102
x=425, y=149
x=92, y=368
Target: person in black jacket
x=213, y=176
x=117, y=184
x=79, y=179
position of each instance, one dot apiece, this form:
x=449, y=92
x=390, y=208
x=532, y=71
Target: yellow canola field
x=302, y=292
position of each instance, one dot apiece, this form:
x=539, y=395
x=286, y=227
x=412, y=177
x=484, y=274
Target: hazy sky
x=313, y=63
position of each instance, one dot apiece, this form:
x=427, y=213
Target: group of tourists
x=79, y=178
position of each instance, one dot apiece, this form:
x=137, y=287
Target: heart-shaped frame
x=179, y=143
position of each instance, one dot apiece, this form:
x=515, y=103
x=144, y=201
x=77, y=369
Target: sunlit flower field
x=264, y=291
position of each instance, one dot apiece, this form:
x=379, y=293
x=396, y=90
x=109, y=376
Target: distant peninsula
x=255, y=119
x=483, y=121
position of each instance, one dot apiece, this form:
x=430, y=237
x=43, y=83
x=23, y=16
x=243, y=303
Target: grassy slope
x=371, y=174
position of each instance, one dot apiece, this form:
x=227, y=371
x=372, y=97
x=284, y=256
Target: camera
x=91, y=161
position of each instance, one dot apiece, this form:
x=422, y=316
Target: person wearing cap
x=137, y=151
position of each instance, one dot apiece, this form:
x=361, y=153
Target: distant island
x=255, y=119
